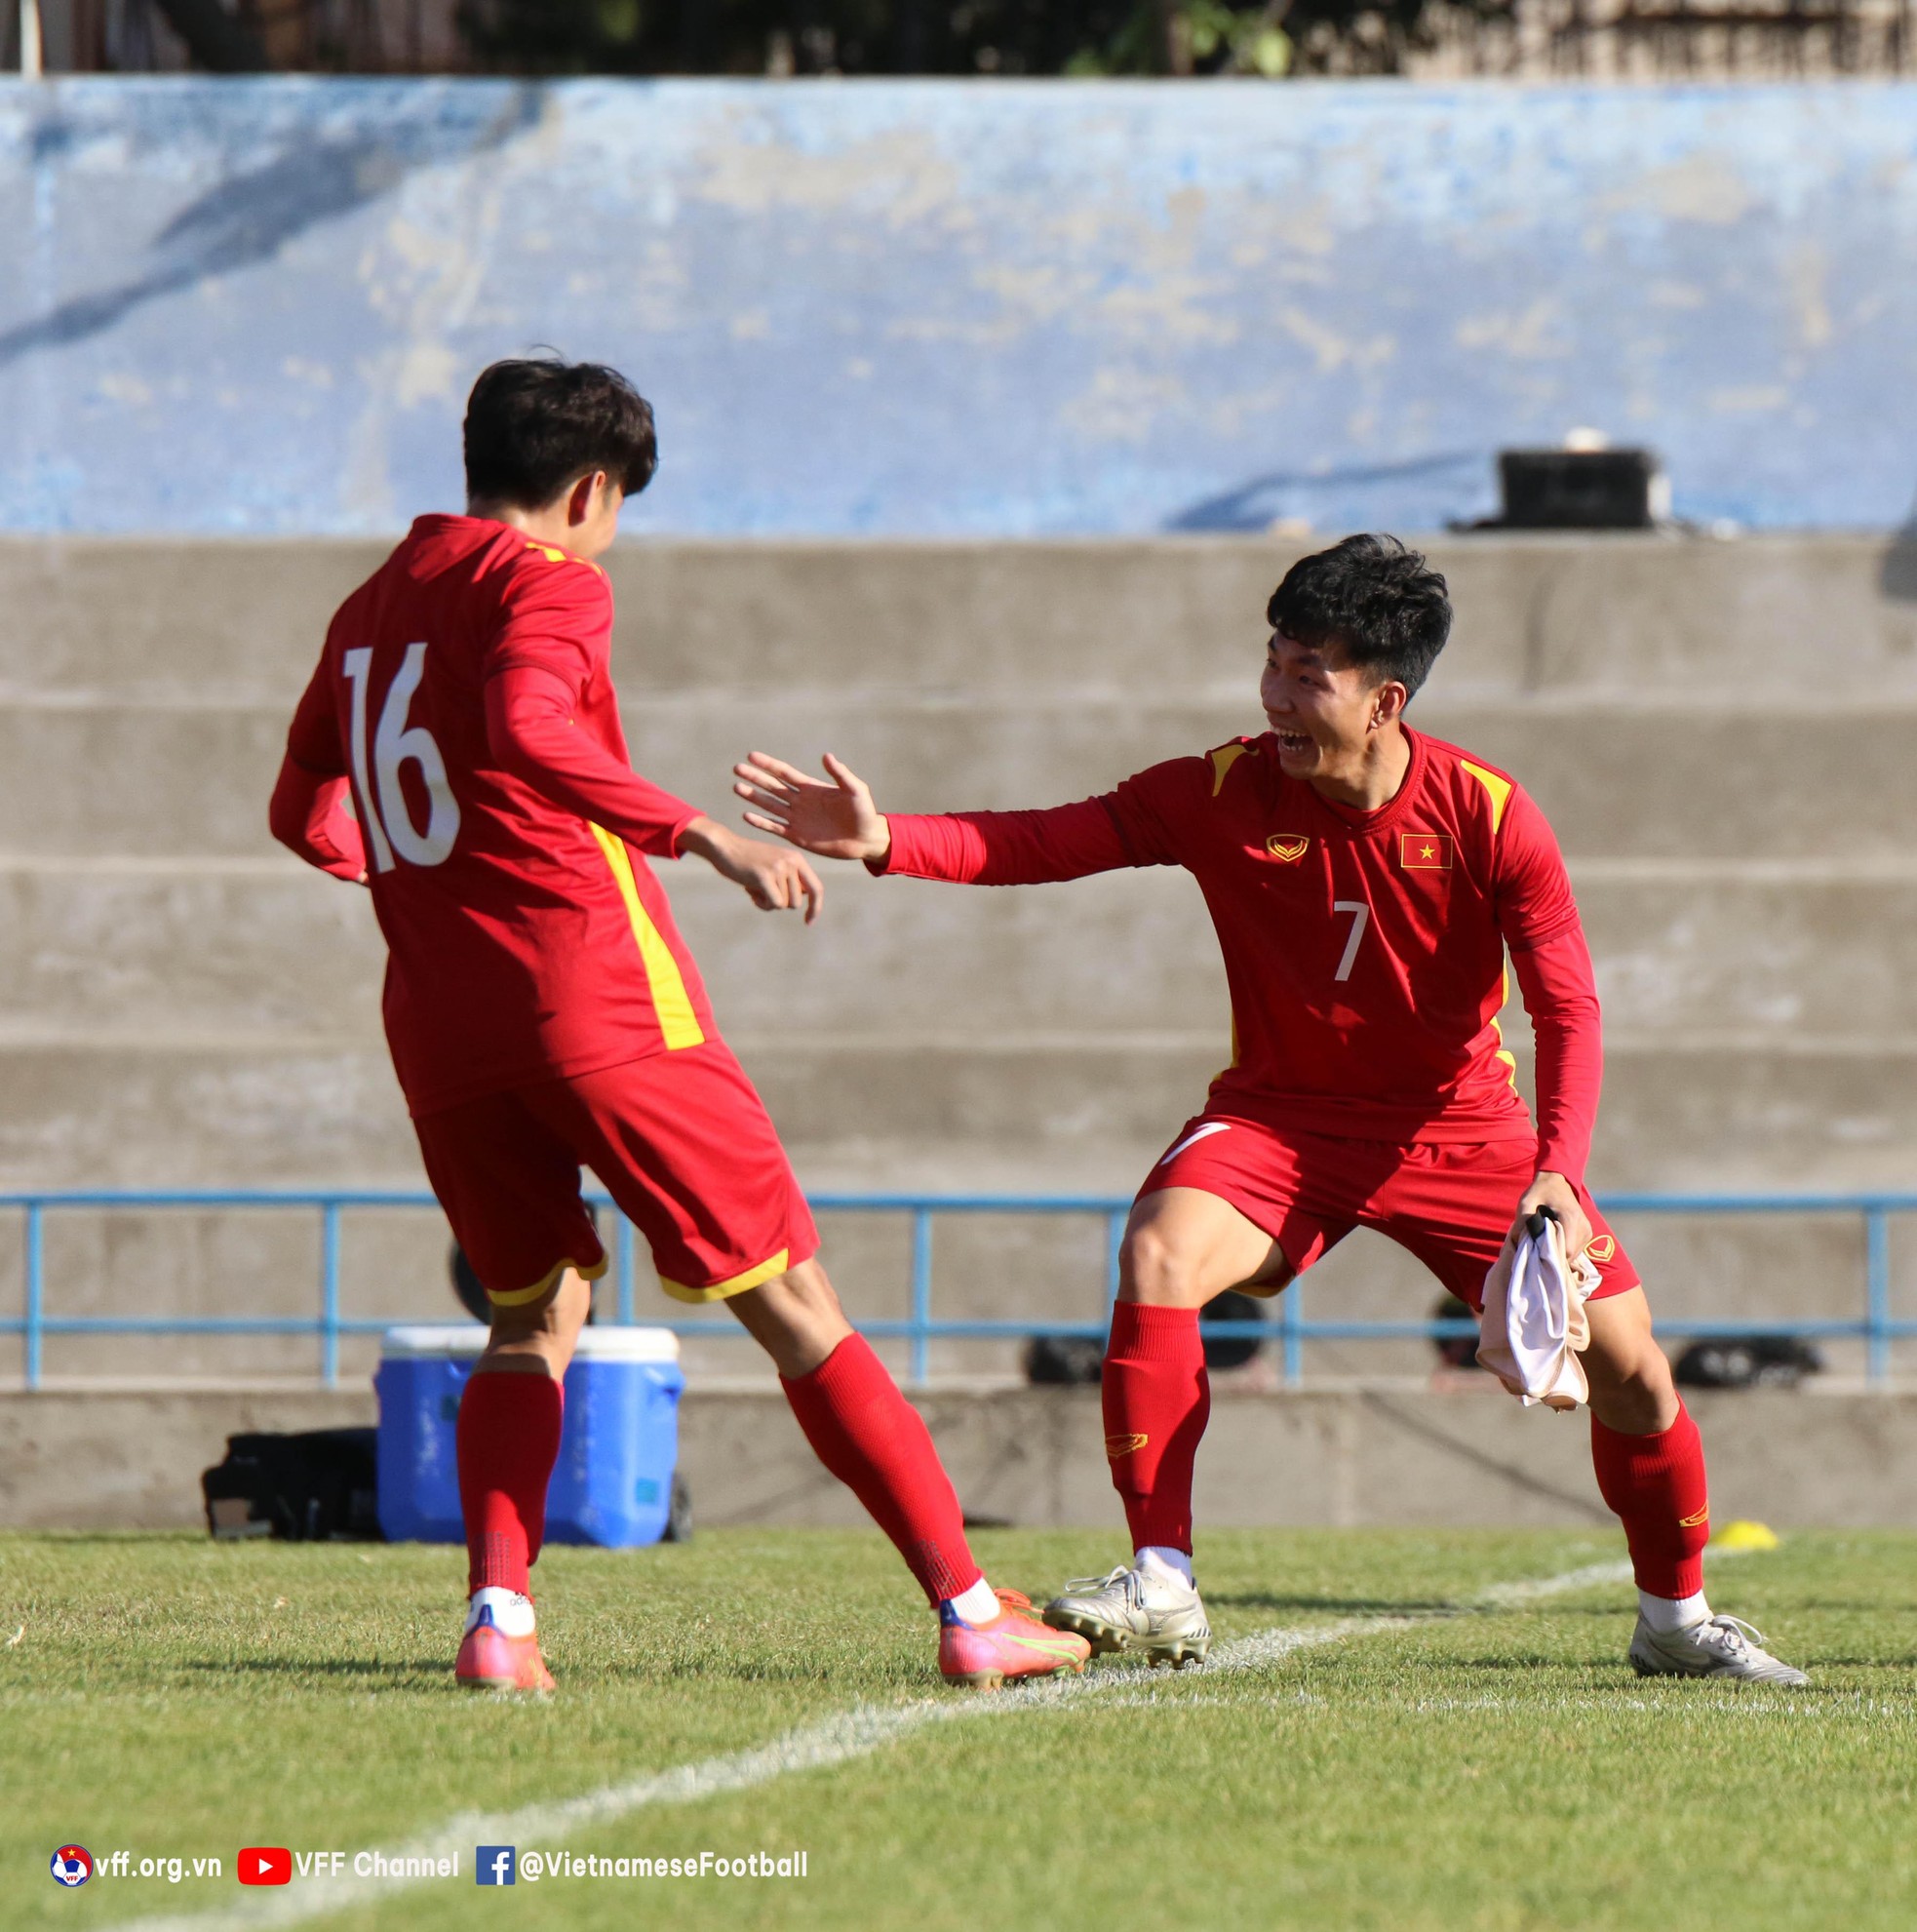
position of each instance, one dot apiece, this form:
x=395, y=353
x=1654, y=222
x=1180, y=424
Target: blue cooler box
x=616, y=1453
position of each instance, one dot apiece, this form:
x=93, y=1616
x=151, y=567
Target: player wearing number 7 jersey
x=1366, y=882
x=544, y=1013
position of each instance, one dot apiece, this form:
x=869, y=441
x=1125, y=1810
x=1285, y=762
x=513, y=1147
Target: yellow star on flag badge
x=1425, y=851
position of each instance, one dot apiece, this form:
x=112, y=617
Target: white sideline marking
x=1503, y=1595
x=827, y=1741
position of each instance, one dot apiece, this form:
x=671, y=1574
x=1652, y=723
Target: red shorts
x=680, y=1140
x=1451, y=1204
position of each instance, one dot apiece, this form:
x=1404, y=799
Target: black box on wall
x=1582, y=489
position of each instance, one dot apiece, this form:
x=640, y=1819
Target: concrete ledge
x=878, y=1111
x=169, y=621
x=1672, y=781
x=1347, y=1458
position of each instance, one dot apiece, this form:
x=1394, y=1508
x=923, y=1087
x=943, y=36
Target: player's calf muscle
x=794, y=1318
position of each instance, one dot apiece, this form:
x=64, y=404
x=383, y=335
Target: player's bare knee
x=1159, y=1273
x=541, y=1335
x=1634, y=1395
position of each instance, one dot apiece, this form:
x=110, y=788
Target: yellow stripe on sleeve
x=678, y=1022
x=556, y=556
x=1222, y=761
x=1500, y=790
x=1504, y=1052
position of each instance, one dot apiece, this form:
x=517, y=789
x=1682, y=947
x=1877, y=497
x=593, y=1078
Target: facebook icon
x=493, y=1864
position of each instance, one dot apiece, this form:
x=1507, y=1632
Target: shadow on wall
x=1898, y=575
x=253, y=215
x=1261, y=501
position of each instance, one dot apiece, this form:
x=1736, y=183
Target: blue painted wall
x=925, y=308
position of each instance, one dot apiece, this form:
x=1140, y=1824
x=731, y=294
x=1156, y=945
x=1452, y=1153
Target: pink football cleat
x=1012, y=1646
x=491, y=1660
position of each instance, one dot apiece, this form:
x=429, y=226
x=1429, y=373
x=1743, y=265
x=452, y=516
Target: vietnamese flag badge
x=1425, y=851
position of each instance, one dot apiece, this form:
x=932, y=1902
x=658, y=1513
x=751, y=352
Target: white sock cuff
x=1666, y=1614
x=1174, y=1564
x=977, y=1605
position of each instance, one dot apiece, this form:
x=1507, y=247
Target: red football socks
x=1656, y=1484
x=875, y=1441
x=508, y=1439
x=1156, y=1401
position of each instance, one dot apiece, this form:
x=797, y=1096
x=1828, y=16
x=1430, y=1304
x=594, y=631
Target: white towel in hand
x=1534, y=1326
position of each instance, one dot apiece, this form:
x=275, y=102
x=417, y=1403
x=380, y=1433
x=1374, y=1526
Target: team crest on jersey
x=1287, y=847
x=1425, y=851
x=1603, y=1249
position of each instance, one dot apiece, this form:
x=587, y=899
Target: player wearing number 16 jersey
x=544, y=1013
x=1366, y=882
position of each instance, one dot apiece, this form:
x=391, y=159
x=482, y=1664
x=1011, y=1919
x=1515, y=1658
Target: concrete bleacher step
x=243, y=620
x=262, y=948
x=1616, y=781
x=1022, y=1111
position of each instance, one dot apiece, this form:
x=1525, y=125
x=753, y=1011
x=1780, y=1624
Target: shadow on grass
x=1350, y=1606
x=322, y=1666
x=1435, y=1607
x=1534, y=1661
x=181, y=1538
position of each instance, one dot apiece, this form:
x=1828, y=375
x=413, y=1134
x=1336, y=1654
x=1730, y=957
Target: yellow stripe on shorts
x=519, y=1297
x=735, y=1284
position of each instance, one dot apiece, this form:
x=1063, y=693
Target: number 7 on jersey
x=1361, y=917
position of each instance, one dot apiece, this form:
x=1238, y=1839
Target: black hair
x=1381, y=606
x=533, y=427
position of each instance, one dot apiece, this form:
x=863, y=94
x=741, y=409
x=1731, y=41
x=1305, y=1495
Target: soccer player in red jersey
x=1366, y=882
x=543, y=1012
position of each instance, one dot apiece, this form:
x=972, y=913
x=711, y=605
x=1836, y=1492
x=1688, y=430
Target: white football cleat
x=1716, y=1647
x=1143, y=1610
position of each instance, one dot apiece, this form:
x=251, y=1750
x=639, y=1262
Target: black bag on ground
x=315, y=1487
x=1064, y=1361
x=1747, y=1362
x=1230, y=1350
x=1077, y=1362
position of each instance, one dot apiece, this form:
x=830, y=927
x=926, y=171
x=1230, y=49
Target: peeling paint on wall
x=926, y=308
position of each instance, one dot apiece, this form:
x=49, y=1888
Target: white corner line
x=825, y=1742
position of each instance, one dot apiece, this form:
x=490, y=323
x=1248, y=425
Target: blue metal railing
x=1877, y=1328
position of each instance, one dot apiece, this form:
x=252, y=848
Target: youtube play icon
x=265, y=1865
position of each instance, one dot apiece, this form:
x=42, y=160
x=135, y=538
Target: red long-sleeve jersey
x=465, y=695
x=1365, y=951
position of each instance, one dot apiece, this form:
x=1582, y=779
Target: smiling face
x=1330, y=721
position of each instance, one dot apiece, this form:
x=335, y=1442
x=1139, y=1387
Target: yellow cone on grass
x=1743, y=1534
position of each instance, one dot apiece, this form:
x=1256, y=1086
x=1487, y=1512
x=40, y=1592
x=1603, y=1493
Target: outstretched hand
x=773, y=880
x=835, y=819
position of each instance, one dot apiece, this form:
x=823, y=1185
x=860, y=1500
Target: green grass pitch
x=1448, y=1760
